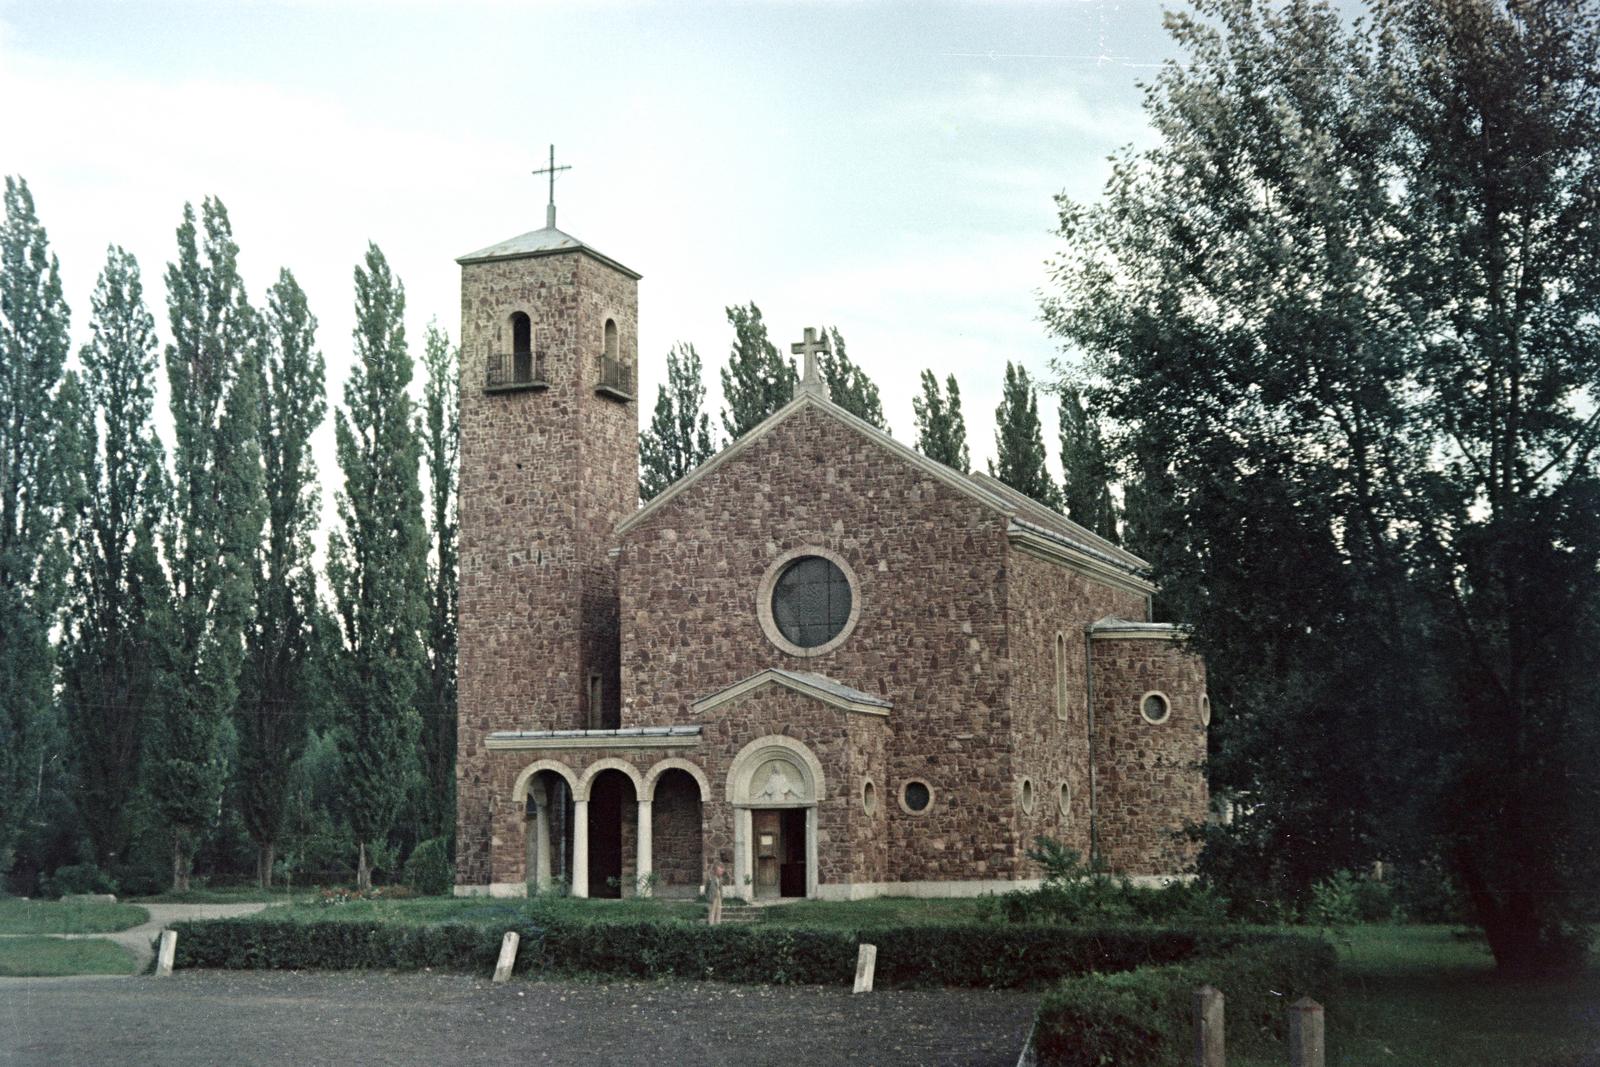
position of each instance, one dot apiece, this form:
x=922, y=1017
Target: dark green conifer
x=1019, y=441
x=678, y=438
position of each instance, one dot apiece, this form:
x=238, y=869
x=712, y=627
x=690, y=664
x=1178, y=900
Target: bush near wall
x=985, y=956
x=1145, y=1016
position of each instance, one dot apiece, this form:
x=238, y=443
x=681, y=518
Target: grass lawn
x=50, y=957
x=66, y=917
x=1419, y=996
x=229, y=895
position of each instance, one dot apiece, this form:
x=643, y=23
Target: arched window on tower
x=616, y=375
x=521, y=348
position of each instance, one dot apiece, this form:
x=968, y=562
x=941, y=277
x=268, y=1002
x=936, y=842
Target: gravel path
x=251, y=1017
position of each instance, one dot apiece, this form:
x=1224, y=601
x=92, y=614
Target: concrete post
x=1208, y=1028
x=167, y=953
x=645, y=864
x=580, y=848
x=866, y=964
x=1306, y=1048
x=508, y=957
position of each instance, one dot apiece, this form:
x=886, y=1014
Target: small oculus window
x=1155, y=707
x=1064, y=799
x=1205, y=711
x=916, y=797
x=869, y=797
x=1027, y=795
x=811, y=602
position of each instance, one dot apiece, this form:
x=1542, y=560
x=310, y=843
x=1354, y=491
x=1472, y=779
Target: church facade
x=831, y=664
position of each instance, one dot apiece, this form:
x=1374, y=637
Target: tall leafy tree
x=109, y=678
x=278, y=681
x=36, y=485
x=848, y=384
x=678, y=438
x=377, y=562
x=757, y=380
x=441, y=441
x=213, y=377
x=1086, y=468
x=1350, y=298
x=941, y=431
x=1019, y=441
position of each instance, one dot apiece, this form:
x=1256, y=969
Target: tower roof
x=546, y=242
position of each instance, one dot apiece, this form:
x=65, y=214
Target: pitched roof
x=1027, y=515
x=808, y=683
x=545, y=242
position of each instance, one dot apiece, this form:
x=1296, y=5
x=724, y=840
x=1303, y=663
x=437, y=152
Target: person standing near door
x=713, y=893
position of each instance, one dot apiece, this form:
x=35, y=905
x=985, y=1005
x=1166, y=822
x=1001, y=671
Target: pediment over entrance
x=817, y=686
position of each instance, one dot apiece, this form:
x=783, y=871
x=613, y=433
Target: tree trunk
x=363, y=872
x=1526, y=943
x=180, y=865
x=264, y=858
x=272, y=855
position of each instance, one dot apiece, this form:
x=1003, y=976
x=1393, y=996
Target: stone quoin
x=822, y=660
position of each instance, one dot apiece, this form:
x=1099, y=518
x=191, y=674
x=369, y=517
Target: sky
x=888, y=169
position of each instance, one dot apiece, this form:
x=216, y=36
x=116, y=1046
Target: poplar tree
x=377, y=562
x=36, y=484
x=1019, y=441
x=678, y=438
x=848, y=384
x=213, y=379
x=277, y=686
x=441, y=441
x=1085, y=467
x=109, y=676
x=941, y=431
x=757, y=380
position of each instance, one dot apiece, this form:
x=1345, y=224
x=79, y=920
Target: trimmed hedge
x=1144, y=1017
x=992, y=956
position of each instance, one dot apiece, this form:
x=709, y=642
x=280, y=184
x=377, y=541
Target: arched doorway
x=775, y=785
x=613, y=834
x=545, y=792
x=678, y=847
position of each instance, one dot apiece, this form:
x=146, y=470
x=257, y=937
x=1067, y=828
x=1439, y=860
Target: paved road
x=240, y=1017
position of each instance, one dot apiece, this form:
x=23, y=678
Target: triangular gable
x=817, y=686
x=954, y=479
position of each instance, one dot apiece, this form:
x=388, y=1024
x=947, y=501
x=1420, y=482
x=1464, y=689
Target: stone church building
x=836, y=666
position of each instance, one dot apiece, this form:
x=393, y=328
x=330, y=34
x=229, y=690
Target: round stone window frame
x=869, y=797
x=1064, y=799
x=932, y=796
x=1205, y=710
x=769, y=582
x=1026, y=795
x=1166, y=707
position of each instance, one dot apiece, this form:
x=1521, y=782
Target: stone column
x=742, y=878
x=644, y=865
x=812, y=852
x=541, y=842
x=580, y=848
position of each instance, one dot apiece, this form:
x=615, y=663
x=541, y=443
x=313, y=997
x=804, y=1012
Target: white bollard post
x=1306, y=1047
x=508, y=957
x=1209, y=1050
x=866, y=963
x=167, y=953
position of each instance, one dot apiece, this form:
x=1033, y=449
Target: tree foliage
x=678, y=438
x=214, y=377
x=1086, y=468
x=941, y=430
x=278, y=683
x=848, y=385
x=1019, y=441
x=377, y=562
x=36, y=487
x=441, y=442
x=1349, y=299
x=757, y=380
x=109, y=676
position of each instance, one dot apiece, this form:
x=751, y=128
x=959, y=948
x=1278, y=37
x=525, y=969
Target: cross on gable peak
x=808, y=349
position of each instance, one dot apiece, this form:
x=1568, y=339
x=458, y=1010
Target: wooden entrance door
x=768, y=830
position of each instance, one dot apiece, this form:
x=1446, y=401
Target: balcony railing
x=616, y=379
x=504, y=371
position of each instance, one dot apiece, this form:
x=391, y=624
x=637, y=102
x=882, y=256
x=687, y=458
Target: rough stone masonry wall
x=1152, y=776
x=931, y=635
x=534, y=572
x=675, y=835
x=1045, y=599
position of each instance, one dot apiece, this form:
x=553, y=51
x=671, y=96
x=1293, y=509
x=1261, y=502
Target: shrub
x=1334, y=902
x=1073, y=893
x=1143, y=1017
x=77, y=878
x=428, y=868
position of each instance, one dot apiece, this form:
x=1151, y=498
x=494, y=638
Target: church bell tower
x=549, y=465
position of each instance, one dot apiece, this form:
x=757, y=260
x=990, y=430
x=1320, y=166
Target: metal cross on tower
x=808, y=349
x=552, y=170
